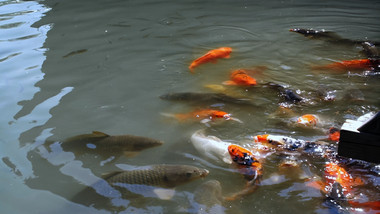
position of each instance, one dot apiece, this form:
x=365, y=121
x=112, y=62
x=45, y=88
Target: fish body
x=309, y=120
x=164, y=175
x=204, y=97
x=241, y=77
x=334, y=134
x=335, y=173
x=203, y=114
x=155, y=181
x=209, y=197
x=101, y=142
x=349, y=65
x=211, y=56
x=211, y=147
x=280, y=141
x=249, y=166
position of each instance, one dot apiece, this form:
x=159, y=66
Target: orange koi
x=241, y=77
x=357, y=64
x=211, y=56
x=334, y=134
x=244, y=157
x=203, y=114
x=308, y=120
x=336, y=174
x=249, y=166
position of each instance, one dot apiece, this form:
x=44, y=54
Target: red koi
x=334, y=173
x=241, y=77
x=211, y=56
x=334, y=134
x=357, y=64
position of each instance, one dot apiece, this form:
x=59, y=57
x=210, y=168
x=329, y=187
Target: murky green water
x=71, y=67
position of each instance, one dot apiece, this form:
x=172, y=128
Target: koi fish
x=241, y=77
x=249, y=166
x=211, y=146
x=211, y=56
x=308, y=120
x=198, y=97
x=375, y=205
x=157, y=181
x=280, y=141
x=336, y=174
x=205, y=115
x=102, y=143
x=351, y=65
x=334, y=134
x=243, y=156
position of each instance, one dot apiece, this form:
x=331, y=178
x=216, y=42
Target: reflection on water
x=73, y=67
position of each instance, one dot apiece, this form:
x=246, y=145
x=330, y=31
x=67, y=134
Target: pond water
x=73, y=67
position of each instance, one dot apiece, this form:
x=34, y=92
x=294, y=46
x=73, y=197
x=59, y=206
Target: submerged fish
x=211, y=56
x=209, y=197
x=204, y=97
x=75, y=52
x=325, y=35
x=309, y=120
x=336, y=174
x=205, y=115
x=156, y=181
x=349, y=65
x=241, y=77
x=103, y=143
x=211, y=146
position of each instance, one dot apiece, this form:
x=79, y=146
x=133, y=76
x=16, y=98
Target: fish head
x=224, y=51
x=334, y=134
x=305, y=32
x=241, y=155
x=308, y=120
x=240, y=77
x=220, y=114
x=180, y=174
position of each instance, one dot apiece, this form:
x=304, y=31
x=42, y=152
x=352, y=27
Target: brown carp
x=115, y=189
x=205, y=97
x=104, y=143
x=209, y=197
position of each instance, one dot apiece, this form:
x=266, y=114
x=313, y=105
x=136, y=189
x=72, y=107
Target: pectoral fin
x=130, y=154
x=229, y=82
x=164, y=194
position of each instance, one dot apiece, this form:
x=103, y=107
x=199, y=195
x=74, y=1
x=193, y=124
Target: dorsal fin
x=100, y=134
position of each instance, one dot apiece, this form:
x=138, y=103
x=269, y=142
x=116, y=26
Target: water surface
x=72, y=67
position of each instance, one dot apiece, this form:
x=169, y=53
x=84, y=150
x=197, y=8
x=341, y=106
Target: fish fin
x=229, y=82
x=227, y=160
x=100, y=134
x=130, y=154
x=236, y=119
x=228, y=56
x=316, y=184
x=164, y=194
x=206, y=120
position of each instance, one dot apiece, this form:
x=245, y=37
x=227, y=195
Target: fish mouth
x=204, y=173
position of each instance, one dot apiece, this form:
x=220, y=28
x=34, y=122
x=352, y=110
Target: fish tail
x=176, y=116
